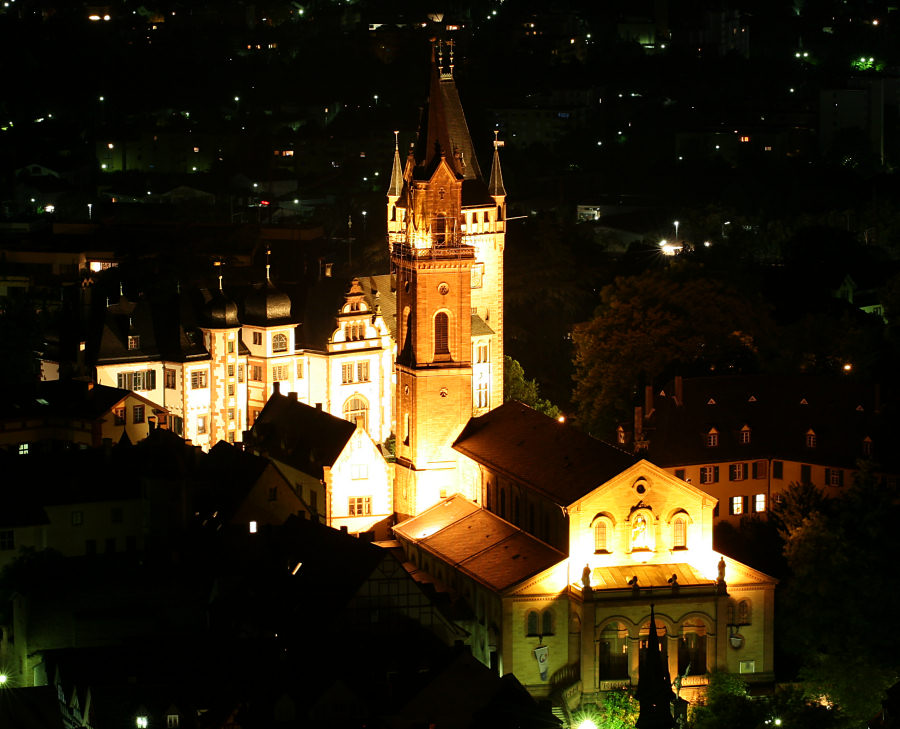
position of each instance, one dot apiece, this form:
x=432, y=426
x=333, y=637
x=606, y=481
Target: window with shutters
x=760, y=469
x=709, y=474
x=759, y=503
x=736, y=505
x=737, y=472
x=441, y=333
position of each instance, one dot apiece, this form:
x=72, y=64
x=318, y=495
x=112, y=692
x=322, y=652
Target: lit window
x=679, y=533
x=23, y=449
x=142, y=722
x=356, y=411
x=737, y=505
x=481, y=395
x=279, y=342
x=759, y=503
x=201, y=424
x=601, y=536
x=745, y=139
x=360, y=505
x=810, y=438
x=253, y=527
x=173, y=721
x=134, y=342
x=745, y=435
x=712, y=438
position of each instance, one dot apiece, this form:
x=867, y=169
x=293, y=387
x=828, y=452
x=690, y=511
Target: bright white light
x=587, y=724
x=3, y=678
x=253, y=527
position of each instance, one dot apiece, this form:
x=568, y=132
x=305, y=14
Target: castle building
x=446, y=230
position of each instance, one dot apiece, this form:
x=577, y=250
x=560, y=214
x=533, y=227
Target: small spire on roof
x=451, y=43
x=395, y=189
x=221, y=290
x=268, y=265
x=495, y=186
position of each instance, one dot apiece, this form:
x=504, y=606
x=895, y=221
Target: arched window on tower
x=279, y=342
x=441, y=333
x=356, y=410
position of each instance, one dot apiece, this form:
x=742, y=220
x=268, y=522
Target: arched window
x=547, y=622
x=679, y=533
x=441, y=333
x=531, y=627
x=692, y=647
x=612, y=653
x=601, y=536
x=279, y=342
x=743, y=613
x=356, y=410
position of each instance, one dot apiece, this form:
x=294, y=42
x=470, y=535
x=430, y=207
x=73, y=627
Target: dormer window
x=712, y=438
x=745, y=435
x=134, y=341
x=810, y=438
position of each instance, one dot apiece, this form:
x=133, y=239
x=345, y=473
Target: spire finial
x=268, y=265
x=221, y=290
x=451, y=43
x=396, y=140
x=441, y=57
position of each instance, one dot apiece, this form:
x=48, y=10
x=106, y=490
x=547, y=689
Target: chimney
x=292, y=396
x=679, y=390
x=343, y=529
x=648, y=400
x=276, y=388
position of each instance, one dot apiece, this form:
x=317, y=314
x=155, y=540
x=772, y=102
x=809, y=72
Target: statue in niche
x=639, y=538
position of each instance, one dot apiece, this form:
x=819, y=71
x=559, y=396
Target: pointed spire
x=654, y=690
x=495, y=186
x=395, y=189
x=268, y=266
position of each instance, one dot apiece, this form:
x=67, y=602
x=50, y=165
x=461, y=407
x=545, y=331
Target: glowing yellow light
x=561, y=419
x=848, y=367
x=587, y=724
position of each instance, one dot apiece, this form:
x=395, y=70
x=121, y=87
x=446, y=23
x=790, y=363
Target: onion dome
x=268, y=306
x=221, y=312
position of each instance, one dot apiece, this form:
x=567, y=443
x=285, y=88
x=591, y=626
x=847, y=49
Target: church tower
x=446, y=235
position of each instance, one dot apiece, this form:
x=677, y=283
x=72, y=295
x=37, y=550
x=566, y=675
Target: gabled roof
x=553, y=458
x=479, y=543
x=63, y=398
x=777, y=410
x=301, y=436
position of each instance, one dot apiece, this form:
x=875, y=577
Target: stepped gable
x=555, y=459
x=323, y=303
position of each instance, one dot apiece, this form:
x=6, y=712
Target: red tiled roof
x=553, y=458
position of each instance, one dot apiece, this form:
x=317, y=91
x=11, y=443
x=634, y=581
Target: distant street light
x=676, y=230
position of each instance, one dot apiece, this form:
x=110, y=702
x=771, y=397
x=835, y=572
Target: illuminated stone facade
x=446, y=230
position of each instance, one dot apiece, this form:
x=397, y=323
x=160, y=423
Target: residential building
x=745, y=439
